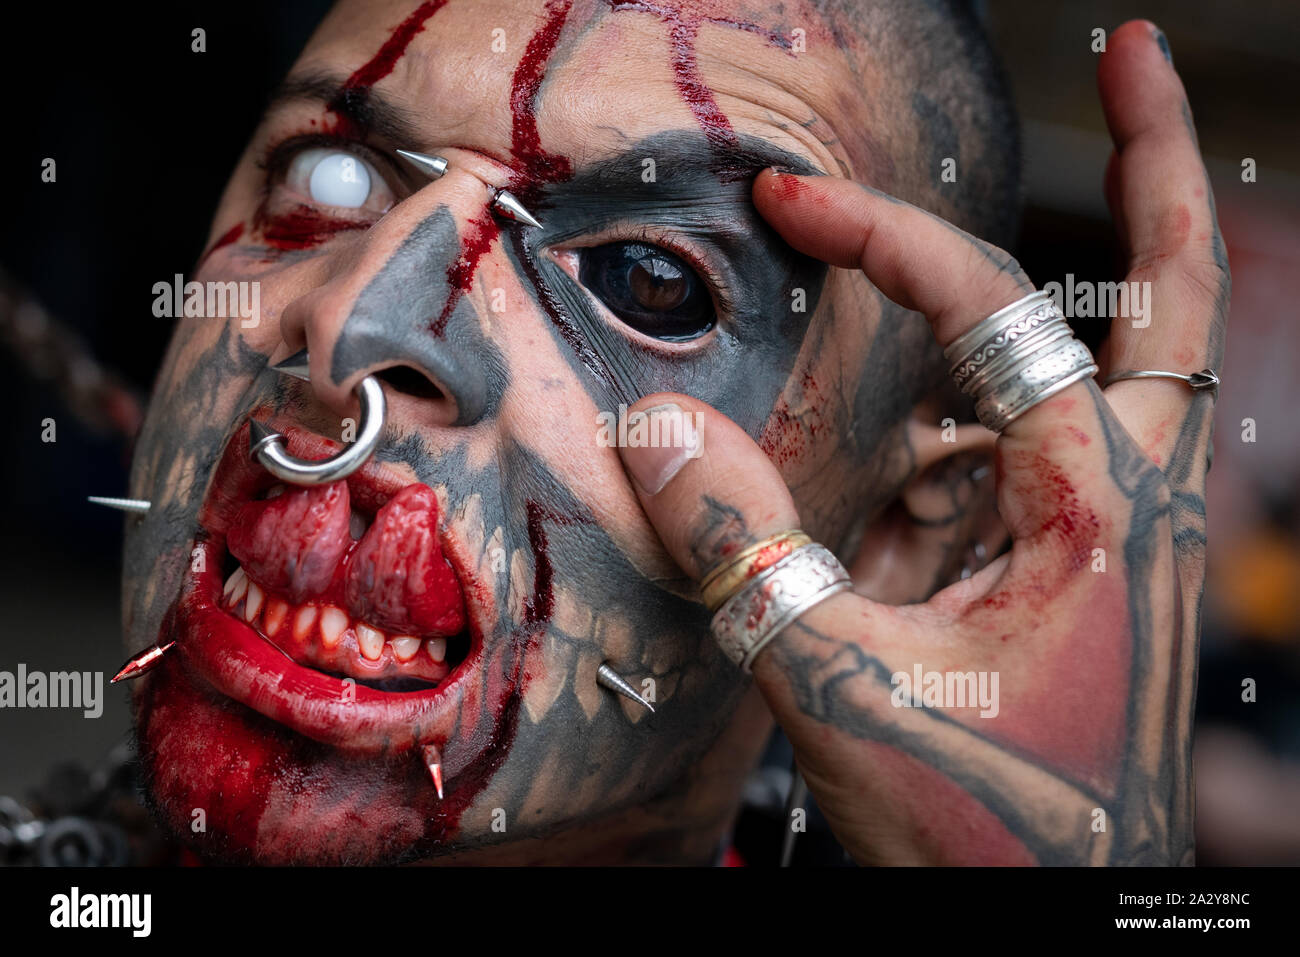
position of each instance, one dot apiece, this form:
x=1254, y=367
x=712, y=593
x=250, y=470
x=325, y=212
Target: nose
x=400, y=304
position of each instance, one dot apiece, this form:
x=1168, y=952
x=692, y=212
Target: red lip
x=232, y=657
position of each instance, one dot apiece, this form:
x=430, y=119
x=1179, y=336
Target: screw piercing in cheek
x=610, y=679
x=504, y=203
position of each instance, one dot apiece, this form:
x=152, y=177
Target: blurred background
x=145, y=133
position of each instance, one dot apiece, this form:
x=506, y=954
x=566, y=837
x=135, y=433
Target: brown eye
x=649, y=288
x=657, y=284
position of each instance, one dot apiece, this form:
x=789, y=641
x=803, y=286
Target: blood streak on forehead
x=357, y=87
x=532, y=167
x=684, y=20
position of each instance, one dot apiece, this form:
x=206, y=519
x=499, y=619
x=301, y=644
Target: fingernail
x=659, y=445
x=1163, y=42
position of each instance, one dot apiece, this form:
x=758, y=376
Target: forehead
x=587, y=78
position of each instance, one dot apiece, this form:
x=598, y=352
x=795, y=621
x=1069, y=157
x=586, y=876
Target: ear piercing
x=609, y=678
x=503, y=203
x=268, y=447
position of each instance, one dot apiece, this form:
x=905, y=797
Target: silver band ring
x=1207, y=380
x=1021, y=355
x=773, y=599
x=268, y=447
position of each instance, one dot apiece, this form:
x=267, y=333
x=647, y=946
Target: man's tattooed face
x=452, y=602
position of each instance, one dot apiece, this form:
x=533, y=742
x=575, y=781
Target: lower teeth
x=329, y=622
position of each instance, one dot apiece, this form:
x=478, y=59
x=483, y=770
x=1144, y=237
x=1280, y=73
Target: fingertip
x=1136, y=79
x=705, y=497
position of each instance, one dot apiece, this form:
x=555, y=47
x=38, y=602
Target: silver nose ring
x=267, y=447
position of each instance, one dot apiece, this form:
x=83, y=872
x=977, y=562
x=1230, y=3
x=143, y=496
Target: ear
x=944, y=525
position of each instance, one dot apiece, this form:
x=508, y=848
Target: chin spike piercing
x=610, y=678
x=431, y=166
x=505, y=204
x=143, y=662
x=137, y=505
x=433, y=761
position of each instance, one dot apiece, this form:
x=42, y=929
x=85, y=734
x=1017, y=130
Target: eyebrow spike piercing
x=136, y=505
x=508, y=206
x=143, y=662
x=432, y=166
x=611, y=679
x=504, y=203
x=433, y=761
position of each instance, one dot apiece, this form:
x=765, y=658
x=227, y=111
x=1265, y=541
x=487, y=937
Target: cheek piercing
x=268, y=447
x=504, y=203
x=610, y=679
x=136, y=505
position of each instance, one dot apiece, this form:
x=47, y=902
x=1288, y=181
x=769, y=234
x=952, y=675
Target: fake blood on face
x=227, y=238
x=356, y=87
x=533, y=165
x=301, y=228
x=684, y=20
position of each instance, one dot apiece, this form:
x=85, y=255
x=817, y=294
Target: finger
x=916, y=259
x=1161, y=197
x=711, y=496
x=920, y=262
x=1053, y=458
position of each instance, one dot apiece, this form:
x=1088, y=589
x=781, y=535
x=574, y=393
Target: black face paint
x=390, y=323
x=744, y=370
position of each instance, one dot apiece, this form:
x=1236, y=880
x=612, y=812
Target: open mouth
x=362, y=595
x=348, y=613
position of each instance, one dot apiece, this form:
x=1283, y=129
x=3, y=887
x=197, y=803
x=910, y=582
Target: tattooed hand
x=1090, y=623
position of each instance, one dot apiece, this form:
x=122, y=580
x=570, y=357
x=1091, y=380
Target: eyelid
x=673, y=243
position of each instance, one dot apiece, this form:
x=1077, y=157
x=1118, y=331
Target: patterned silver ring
x=772, y=600
x=1016, y=358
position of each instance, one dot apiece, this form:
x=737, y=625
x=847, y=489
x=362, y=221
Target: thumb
x=707, y=488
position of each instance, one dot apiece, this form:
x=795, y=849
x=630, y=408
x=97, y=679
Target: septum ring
x=267, y=447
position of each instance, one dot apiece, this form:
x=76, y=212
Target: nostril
x=408, y=380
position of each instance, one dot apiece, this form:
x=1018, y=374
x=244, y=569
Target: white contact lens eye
x=340, y=179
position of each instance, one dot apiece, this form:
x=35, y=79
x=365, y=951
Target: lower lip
x=229, y=655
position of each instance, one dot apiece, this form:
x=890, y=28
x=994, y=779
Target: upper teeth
x=330, y=622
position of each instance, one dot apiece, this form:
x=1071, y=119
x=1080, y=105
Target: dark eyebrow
x=362, y=107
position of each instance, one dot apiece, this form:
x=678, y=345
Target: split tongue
x=397, y=578
x=293, y=542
